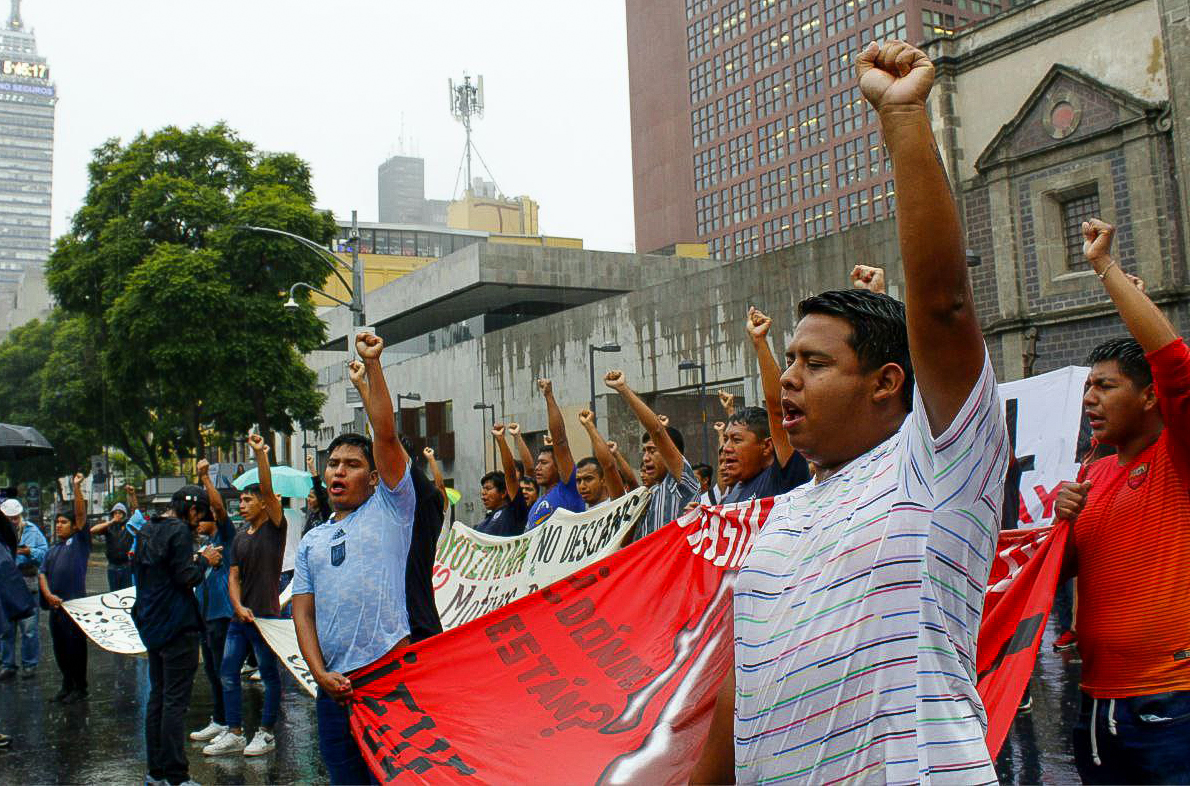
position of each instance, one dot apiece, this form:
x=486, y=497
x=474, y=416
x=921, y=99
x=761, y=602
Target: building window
x=739, y=150
x=816, y=175
x=701, y=81
x=772, y=92
x=706, y=167
x=770, y=142
x=811, y=125
x=848, y=112
x=807, y=76
x=696, y=7
x=698, y=39
x=737, y=111
x=854, y=208
x=771, y=46
x=762, y=11
x=937, y=23
x=890, y=29
x=740, y=202
x=851, y=162
x=818, y=220
x=839, y=56
x=778, y=233
x=731, y=66
x=1076, y=210
x=979, y=6
x=702, y=125
x=728, y=23
x=805, y=29
x=774, y=190
x=840, y=17
x=745, y=242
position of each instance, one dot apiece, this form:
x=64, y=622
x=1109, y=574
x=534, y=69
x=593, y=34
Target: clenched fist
x=545, y=386
x=514, y=428
x=498, y=430
x=867, y=277
x=586, y=417
x=203, y=468
x=615, y=380
x=355, y=370
x=758, y=327
x=894, y=76
x=1097, y=238
x=1072, y=499
x=368, y=345
x=428, y=453
x=256, y=442
x=78, y=478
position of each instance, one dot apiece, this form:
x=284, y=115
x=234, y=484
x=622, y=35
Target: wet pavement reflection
x=101, y=740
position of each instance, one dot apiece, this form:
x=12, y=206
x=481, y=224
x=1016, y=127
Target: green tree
x=185, y=305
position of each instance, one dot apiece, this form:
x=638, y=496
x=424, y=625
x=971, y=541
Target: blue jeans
x=235, y=652
x=118, y=577
x=1139, y=739
x=26, y=629
x=340, y=753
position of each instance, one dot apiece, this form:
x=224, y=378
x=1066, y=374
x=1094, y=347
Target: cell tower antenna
x=466, y=102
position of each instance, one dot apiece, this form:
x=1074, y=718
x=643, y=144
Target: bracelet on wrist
x=1103, y=273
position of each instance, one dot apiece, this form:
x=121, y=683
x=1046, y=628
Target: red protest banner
x=609, y=675
x=1018, y=602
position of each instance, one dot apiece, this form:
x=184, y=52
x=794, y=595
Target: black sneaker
x=74, y=697
x=61, y=694
x=7, y=674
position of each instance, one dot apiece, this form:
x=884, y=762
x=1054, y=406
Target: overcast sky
x=331, y=81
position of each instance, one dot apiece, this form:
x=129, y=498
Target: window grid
x=739, y=154
x=890, y=29
x=772, y=92
x=851, y=162
x=807, y=76
x=771, y=46
x=811, y=125
x=774, y=190
x=839, y=17
x=1075, y=211
x=770, y=142
x=698, y=39
x=937, y=23
x=761, y=11
x=816, y=174
x=849, y=112
x=728, y=23
x=818, y=220
x=739, y=202
x=731, y=66
x=778, y=233
x=839, y=56
x=805, y=28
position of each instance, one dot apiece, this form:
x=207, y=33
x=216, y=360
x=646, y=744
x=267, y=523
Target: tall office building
x=27, y=99
x=401, y=181
x=748, y=130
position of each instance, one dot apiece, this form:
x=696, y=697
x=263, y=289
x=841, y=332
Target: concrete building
x=27, y=100
x=401, y=191
x=1077, y=129
x=748, y=131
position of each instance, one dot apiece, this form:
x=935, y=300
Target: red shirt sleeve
x=1171, y=373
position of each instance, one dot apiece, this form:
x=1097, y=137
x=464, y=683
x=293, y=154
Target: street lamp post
x=492, y=407
x=690, y=365
x=400, y=396
x=592, y=349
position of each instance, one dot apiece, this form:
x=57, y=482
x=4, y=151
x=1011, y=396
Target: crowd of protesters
x=881, y=432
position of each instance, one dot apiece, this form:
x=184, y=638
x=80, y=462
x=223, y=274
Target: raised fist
x=498, y=430
x=213, y=555
x=202, y=468
x=368, y=345
x=78, y=478
x=727, y=401
x=545, y=386
x=867, y=277
x=428, y=452
x=758, y=327
x=310, y=467
x=615, y=380
x=129, y=488
x=355, y=370
x=548, y=439
x=894, y=75
x=613, y=447
x=514, y=428
x=256, y=442
x=1097, y=237
x=720, y=426
x=664, y=419
x=1071, y=500
x=586, y=417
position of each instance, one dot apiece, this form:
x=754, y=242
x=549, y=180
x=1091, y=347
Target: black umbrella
x=17, y=442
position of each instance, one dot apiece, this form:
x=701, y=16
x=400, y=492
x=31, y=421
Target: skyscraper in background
x=401, y=183
x=748, y=130
x=27, y=99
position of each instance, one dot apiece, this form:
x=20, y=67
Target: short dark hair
x=546, y=449
x=497, y=481
x=755, y=419
x=355, y=441
x=590, y=462
x=1129, y=355
x=531, y=481
x=674, y=435
x=704, y=471
x=192, y=496
x=878, y=331
x=251, y=488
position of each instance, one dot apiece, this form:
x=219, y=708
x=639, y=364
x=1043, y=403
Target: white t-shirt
x=858, y=608
x=293, y=536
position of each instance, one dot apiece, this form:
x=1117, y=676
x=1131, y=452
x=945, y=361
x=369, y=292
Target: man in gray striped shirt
x=663, y=468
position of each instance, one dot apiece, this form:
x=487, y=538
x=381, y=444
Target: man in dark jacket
x=167, y=616
x=16, y=603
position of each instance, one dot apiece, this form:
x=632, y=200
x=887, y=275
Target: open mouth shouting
x=792, y=415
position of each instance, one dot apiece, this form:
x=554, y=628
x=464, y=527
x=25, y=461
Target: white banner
x=475, y=573
x=281, y=637
x=1044, y=413
x=107, y=620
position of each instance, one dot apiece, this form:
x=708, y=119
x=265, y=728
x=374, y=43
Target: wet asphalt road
x=101, y=740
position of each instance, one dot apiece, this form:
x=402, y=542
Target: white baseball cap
x=11, y=507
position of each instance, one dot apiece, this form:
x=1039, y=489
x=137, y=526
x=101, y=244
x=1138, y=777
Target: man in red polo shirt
x=1131, y=544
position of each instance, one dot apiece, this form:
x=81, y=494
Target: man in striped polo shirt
x=857, y=610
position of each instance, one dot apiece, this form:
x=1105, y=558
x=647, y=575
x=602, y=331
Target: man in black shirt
x=506, y=514
x=419, y=569
x=170, y=624
x=117, y=547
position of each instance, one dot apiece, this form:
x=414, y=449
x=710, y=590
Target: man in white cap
x=31, y=549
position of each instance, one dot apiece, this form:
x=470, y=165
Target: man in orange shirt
x=1130, y=544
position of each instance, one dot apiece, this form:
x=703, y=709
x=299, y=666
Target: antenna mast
x=466, y=101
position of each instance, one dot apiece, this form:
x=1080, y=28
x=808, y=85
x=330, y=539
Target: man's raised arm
x=523, y=448
x=607, y=462
x=649, y=421
x=562, y=455
x=511, y=477
x=770, y=383
x=945, y=342
x=80, y=503
x=264, y=476
x=391, y=459
x=1151, y=329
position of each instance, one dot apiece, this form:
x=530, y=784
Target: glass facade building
x=27, y=99
x=782, y=147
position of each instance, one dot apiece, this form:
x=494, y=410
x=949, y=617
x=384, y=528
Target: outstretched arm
x=1151, y=329
x=770, y=382
x=522, y=448
x=133, y=502
x=627, y=475
x=80, y=503
x=264, y=476
x=561, y=444
x=439, y=483
x=511, y=476
x=213, y=495
x=945, y=341
x=611, y=474
x=651, y=423
x=391, y=459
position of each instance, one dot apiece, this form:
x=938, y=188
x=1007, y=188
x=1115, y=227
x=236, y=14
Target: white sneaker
x=209, y=733
x=262, y=743
x=227, y=742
